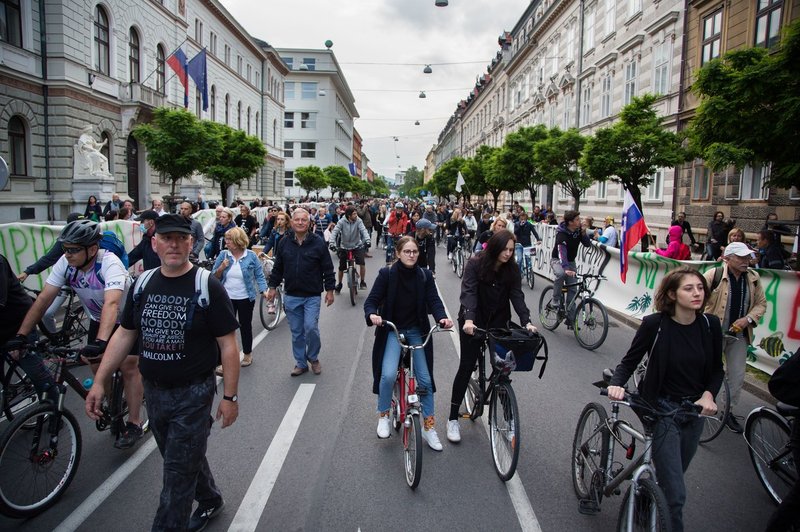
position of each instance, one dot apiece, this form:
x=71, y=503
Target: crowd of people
x=692, y=312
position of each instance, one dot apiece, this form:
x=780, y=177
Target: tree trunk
x=577, y=201
x=532, y=192
x=495, y=196
x=222, y=189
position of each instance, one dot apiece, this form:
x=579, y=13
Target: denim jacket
x=251, y=270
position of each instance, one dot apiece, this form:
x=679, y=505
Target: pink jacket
x=676, y=249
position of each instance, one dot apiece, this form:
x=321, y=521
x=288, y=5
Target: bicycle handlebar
x=634, y=400
x=435, y=328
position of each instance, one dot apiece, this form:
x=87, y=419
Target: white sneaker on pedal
x=432, y=438
x=449, y=256
x=453, y=432
x=384, y=426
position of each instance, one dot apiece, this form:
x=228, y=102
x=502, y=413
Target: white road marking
x=98, y=497
x=516, y=490
x=255, y=500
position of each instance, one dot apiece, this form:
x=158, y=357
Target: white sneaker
x=449, y=256
x=384, y=426
x=453, y=432
x=432, y=438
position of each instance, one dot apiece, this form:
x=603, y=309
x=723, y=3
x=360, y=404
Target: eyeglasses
x=71, y=251
x=410, y=252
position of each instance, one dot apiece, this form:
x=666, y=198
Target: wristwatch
x=232, y=398
x=749, y=320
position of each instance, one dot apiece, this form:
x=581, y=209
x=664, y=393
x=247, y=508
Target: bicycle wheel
x=18, y=391
x=767, y=436
x=34, y=474
x=352, y=284
x=548, y=313
x=712, y=426
x=529, y=275
x=460, y=263
x=270, y=321
x=412, y=450
x=119, y=411
x=589, y=449
x=591, y=323
x=650, y=508
x=504, y=430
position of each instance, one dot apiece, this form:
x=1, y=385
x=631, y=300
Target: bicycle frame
x=638, y=467
x=485, y=384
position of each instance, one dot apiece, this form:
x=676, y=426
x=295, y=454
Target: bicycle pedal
x=588, y=507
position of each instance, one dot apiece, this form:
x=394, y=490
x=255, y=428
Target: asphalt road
x=303, y=454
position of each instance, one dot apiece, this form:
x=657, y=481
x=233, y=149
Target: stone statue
x=88, y=159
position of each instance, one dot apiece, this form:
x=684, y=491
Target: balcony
x=137, y=94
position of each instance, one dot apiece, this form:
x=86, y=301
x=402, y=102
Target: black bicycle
x=74, y=324
x=584, y=314
x=41, y=448
x=767, y=432
x=496, y=391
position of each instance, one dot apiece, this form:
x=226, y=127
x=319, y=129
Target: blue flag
x=352, y=168
x=198, y=71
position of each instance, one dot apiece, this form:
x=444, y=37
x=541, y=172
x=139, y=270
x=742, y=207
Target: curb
x=750, y=384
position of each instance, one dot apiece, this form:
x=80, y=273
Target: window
x=605, y=96
x=274, y=131
x=712, y=36
x=212, y=43
x=656, y=187
x=133, y=56
x=227, y=109
x=249, y=73
x=11, y=22
x=248, y=120
x=570, y=42
x=700, y=181
x=161, y=70
x=288, y=150
x=308, y=150
x=552, y=118
x=634, y=7
x=567, y=109
x=768, y=22
x=212, y=95
x=258, y=80
x=611, y=15
x=754, y=182
x=310, y=62
x=630, y=82
x=256, y=124
x=563, y=194
x=239, y=64
x=288, y=120
x=288, y=179
x=198, y=31
x=661, y=64
x=239, y=115
x=101, y=41
x=588, y=34
x=288, y=90
x=602, y=190
x=794, y=193
x=227, y=55
x=198, y=108
x=289, y=62
x=309, y=90
x=308, y=120
x=17, y=147
x=586, y=106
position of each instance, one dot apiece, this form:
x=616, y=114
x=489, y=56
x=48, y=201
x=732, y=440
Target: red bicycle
x=406, y=407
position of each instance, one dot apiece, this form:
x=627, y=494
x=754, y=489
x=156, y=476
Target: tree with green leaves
x=518, y=159
x=178, y=144
x=339, y=179
x=360, y=187
x=311, y=179
x=557, y=157
x=241, y=156
x=380, y=187
x=750, y=110
x=412, y=182
x=484, y=166
x=632, y=149
x=444, y=179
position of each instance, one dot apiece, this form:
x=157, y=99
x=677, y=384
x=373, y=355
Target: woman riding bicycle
x=404, y=293
x=491, y=283
x=685, y=362
x=457, y=229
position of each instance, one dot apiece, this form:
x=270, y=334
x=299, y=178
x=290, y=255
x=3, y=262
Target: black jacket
x=567, y=242
x=381, y=302
x=487, y=304
x=306, y=270
x=650, y=388
x=144, y=252
x=46, y=260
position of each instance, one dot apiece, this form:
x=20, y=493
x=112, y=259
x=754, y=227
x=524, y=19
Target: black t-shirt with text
x=177, y=338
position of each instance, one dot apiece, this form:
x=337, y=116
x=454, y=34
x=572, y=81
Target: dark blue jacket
x=144, y=252
x=306, y=270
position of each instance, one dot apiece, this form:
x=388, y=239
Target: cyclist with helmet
x=99, y=279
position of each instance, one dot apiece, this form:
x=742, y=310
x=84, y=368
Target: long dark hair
x=671, y=282
x=488, y=258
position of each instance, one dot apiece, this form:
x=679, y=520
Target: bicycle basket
x=518, y=349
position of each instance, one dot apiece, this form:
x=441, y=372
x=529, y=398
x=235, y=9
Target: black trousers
x=243, y=309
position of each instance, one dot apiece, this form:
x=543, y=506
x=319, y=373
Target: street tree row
x=313, y=179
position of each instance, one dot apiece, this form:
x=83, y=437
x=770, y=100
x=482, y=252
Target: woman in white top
x=240, y=271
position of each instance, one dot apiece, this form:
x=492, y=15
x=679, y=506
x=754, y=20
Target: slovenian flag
x=177, y=62
x=633, y=230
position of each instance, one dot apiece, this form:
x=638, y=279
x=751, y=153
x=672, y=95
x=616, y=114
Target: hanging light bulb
x=427, y=69
x=422, y=94
x=441, y=3
x=322, y=92
x=416, y=123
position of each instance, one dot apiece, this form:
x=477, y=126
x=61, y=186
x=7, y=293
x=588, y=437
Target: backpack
x=201, y=276
x=717, y=278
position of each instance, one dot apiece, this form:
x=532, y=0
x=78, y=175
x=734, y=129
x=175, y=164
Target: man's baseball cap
x=173, y=223
x=424, y=224
x=739, y=249
x=148, y=215
x=399, y=205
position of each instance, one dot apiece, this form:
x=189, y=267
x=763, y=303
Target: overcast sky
x=392, y=31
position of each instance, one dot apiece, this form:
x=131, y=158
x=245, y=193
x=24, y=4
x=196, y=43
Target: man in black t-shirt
x=179, y=341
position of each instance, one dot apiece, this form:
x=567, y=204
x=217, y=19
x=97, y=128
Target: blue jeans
x=675, y=441
x=180, y=419
x=303, y=316
x=390, y=240
x=391, y=360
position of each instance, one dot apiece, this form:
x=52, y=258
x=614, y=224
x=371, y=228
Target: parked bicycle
x=584, y=314
x=767, y=432
x=406, y=410
x=598, y=471
x=270, y=313
x=459, y=256
x=497, y=392
x=41, y=448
